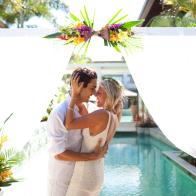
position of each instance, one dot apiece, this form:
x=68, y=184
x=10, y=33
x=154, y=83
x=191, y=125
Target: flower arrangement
x=8, y=159
x=114, y=34
x=118, y=34
x=77, y=33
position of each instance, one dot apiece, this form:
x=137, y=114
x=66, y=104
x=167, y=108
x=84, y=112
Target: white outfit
x=60, y=172
x=88, y=176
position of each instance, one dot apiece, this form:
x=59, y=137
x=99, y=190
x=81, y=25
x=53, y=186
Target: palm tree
x=19, y=11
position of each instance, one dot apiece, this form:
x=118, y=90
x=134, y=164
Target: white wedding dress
x=88, y=176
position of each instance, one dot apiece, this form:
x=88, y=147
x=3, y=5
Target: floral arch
x=164, y=72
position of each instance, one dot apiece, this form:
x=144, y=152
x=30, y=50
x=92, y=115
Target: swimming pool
x=135, y=166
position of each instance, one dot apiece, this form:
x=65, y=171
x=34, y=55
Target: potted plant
x=8, y=159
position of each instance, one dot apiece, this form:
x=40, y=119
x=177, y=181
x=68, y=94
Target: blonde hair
x=114, y=99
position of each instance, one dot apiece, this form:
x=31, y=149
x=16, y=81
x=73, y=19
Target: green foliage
x=75, y=18
x=120, y=19
x=71, y=34
x=163, y=21
x=111, y=21
x=60, y=95
x=1, y=128
x=181, y=14
x=188, y=158
x=19, y=11
x=130, y=24
x=78, y=59
x=87, y=17
x=53, y=35
x=8, y=159
x=22, y=10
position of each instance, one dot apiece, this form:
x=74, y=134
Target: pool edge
x=187, y=167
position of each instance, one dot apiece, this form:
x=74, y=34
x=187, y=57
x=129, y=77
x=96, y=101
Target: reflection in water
x=135, y=166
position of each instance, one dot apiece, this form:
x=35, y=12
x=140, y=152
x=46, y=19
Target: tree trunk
x=20, y=20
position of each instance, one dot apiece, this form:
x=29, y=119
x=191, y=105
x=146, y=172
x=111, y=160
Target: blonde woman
x=99, y=125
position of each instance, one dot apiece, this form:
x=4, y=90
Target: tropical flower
x=8, y=159
x=114, y=33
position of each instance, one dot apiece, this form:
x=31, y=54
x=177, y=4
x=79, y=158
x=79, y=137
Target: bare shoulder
x=99, y=121
x=100, y=114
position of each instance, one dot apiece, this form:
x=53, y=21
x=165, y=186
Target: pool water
x=135, y=166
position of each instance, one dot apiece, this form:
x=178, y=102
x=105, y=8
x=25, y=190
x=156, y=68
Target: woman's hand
x=76, y=87
x=100, y=152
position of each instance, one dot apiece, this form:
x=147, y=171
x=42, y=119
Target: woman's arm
x=95, y=121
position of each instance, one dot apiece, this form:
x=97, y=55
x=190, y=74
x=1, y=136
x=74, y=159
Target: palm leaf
x=75, y=18
x=8, y=182
x=130, y=24
x=117, y=48
x=54, y=35
x=120, y=19
x=16, y=159
x=87, y=18
x=5, y=121
x=93, y=19
x=115, y=15
x=68, y=42
x=7, y=118
x=83, y=17
x=11, y=157
x=7, y=154
x=134, y=44
x=81, y=47
x=4, y=167
x=86, y=48
x=5, y=184
x=105, y=42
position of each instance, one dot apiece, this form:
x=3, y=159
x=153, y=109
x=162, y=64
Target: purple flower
x=85, y=31
x=115, y=26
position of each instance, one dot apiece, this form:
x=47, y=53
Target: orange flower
x=5, y=174
x=114, y=37
x=79, y=40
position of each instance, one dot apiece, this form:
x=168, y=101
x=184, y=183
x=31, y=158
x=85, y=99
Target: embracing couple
x=79, y=139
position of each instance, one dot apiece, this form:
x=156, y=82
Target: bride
x=98, y=126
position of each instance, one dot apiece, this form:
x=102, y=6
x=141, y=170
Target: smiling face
x=89, y=90
x=101, y=96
